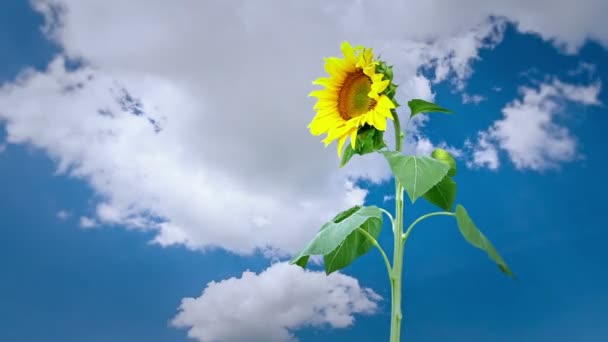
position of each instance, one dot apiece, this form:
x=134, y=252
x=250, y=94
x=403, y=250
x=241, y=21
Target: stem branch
x=390, y=217
x=375, y=243
x=409, y=229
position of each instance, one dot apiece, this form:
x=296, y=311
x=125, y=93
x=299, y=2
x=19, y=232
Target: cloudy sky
x=156, y=170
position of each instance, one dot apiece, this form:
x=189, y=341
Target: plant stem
x=397, y=269
x=375, y=243
x=390, y=217
x=409, y=229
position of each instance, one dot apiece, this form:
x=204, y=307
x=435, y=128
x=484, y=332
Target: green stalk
x=397, y=269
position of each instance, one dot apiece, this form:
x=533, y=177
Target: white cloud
x=484, y=153
x=87, y=222
x=587, y=95
x=584, y=69
x=198, y=131
x=63, y=215
x=424, y=147
x=567, y=24
x=270, y=306
x=475, y=98
x=108, y=214
x=191, y=121
x=529, y=131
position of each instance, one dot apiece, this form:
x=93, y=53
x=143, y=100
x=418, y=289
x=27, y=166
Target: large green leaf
x=445, y=156
x=443, y=194
x=417, y=174
x=418, y=106
x=355, y=245
x=336, y=240
x=476, y=238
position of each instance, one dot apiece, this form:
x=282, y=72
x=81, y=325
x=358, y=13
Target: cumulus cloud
x=87, y=222
x=484, y=153
x=529, y=130
x=271, y=305
x=198, y=131
x=568, y=25
x=190, y=120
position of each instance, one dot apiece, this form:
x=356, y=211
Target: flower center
x=352, y=99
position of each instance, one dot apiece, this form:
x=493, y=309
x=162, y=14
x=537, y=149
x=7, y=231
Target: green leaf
x=378, y=140
x=347, y=155
x=445, y=156
x=418, y=106
x=302, y=261
x=382, y=68
x=476, y=238
x=369, y=140
x=336, y=240
x=355, y=245
x=345, y=214
x=417, y=174
x=443, y=194
x=390, y=91
x=388, y=72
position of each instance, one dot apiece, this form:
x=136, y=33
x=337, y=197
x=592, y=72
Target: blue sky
x=101, y=246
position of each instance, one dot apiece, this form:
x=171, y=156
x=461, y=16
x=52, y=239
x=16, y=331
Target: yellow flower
x=352, y=97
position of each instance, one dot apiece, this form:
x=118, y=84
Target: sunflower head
x=358, y=92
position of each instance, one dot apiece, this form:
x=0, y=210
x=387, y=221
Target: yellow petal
x=380, y=123
x=357, y=122
x=385, y=103
x=327, y=112
x=327, y=141
x=353, y=138
x=341, y=142
x=325, y=105
x=369, y=69
x=349, y=53
x=334, y=66
x=377, y=77
x=323, y=94
x=379, y=87
x=373, y=95
x=324, y=81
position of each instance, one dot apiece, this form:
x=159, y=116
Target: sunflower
x=353, y=97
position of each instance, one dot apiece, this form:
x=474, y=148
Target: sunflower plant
x=357, y=99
